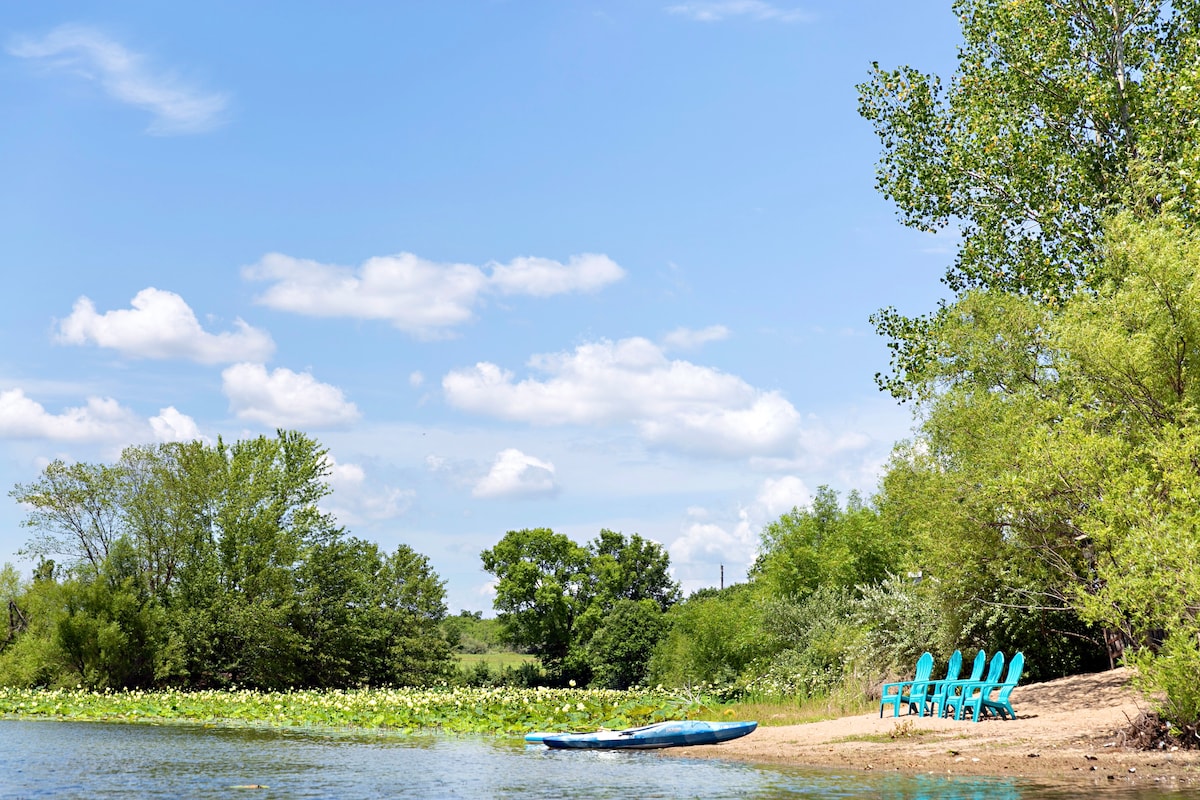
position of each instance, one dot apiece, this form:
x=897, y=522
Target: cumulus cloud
x=344, y=475
x=125, y=76
x=777, y=496
x=100, y=419
x=171, y=425
x=688, y=338
x=161, y=325
x=514, y=474
x=704, y=543
x=542, y=277
x=674, y=404
x=356, y=499
x=718, y=10
x=424, y=298
x=282, y=398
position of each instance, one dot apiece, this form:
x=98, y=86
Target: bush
x=713, y=638
x=900, y=620
x=816, y=638
x=1169, y=678
x=620, y=649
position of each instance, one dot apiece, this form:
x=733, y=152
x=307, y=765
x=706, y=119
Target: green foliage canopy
x=553, y=595
x=1059, y=115
x=195, y=565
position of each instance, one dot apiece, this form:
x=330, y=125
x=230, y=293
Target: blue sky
x=576, y=265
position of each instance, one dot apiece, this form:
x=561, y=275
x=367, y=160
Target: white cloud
x=514, y=474
x=283, y=398
x=705, y=542
x=344, y=475
x=415, y=295
x=769, y=424
x=415, y=379
x=688, y=339
x=101, y=419
x=674, y=404
x=173, y=426
x=542, y=277
x=421, y=297
x=777, y=496
x=718, y=10
x=161, y=325
x=709, y=543
x=126, y=77
x=355, y=499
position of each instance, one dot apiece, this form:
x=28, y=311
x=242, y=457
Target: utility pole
x=722, y=576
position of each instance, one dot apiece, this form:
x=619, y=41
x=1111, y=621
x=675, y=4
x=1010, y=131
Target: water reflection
x=65, y=760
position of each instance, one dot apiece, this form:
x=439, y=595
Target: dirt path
x=1065, y=729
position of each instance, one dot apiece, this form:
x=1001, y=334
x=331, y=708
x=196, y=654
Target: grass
x=497, y=660
x=904, y=729
x=775, y=711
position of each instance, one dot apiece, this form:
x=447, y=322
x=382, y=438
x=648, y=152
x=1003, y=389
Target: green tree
x=825, y=545
x=1060, y=114
x=215, y=565
x=74, y=512
x=469, y=632
x=413, y=598
x=167, y=497
x=632, y=568
x=11, y=590
x=542, y=587
x=1059, y=450
x=268, y=513
x=31, y=657
x=620, y=650
x=112, y=633
x=553, y=595
x=713, y=637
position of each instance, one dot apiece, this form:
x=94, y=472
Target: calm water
x=65, y=759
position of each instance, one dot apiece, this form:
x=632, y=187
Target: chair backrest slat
x=977, y=667
x=955, y=666
x=924, y=667
x=1014, y=675
x=995, y=668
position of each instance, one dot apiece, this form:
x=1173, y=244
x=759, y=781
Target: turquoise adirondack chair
x=952, y=669
x=943, y=691
x=956, y=691
x=917, y=689
x=978, y=696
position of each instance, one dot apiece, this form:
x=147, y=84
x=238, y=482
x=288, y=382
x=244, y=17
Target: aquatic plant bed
x=444, y=710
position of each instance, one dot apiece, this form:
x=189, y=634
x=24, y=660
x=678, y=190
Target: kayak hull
x=649, y=737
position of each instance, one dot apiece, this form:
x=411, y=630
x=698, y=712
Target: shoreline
x=1066, y=731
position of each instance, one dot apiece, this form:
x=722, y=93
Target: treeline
x=1057, y=463
x=201, y=566
x=839, y=597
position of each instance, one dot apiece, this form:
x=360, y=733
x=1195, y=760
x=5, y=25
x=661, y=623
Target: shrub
x=1169, y=678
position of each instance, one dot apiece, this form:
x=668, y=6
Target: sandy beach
x=1065, y=729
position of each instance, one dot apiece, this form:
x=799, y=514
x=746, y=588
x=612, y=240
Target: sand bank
x=1065, y=729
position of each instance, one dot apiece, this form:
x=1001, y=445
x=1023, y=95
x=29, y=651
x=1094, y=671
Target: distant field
x=494, y=660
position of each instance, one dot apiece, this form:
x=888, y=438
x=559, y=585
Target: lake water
x=93, y=760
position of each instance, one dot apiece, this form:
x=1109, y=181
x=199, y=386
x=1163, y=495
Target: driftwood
x=1147, y=731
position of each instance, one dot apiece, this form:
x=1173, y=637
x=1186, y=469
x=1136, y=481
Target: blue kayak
x=647, y=737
